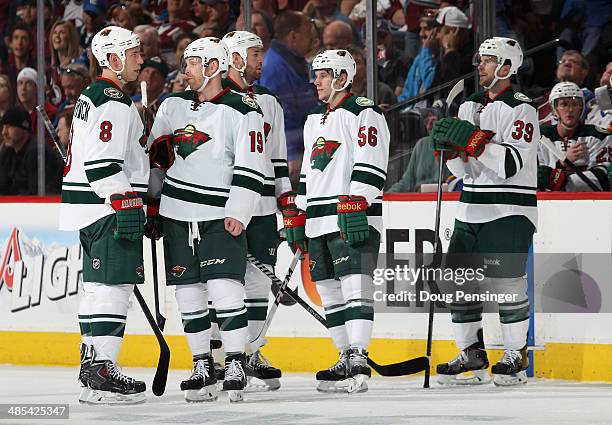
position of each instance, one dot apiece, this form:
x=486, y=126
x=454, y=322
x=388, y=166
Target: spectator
x=73, y=12
x=179, y=22
x=267, y=6
x=218, y=14
x=6, y=94
x=600, y=113
x=584, y=21
x=573, y=68
x=337, y=35
x=65, y=47
x=327, y=11
x=20, y=56
x=27, y=12
x=392, y=64
x=285, y=73
x=18, y=158
x=423, y=69
x=210, y=29
x=126, y=15
x=64, y=124
x=182, y=42
x=154, y=71
x=422, y=167
x=93, y=20
x=149, y=41
x=27, y=82
x=358, y=88
x=261, y=24
x=73, y=79
x=179, y=83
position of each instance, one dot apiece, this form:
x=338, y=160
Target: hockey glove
x=459, y=136
x=294, y=222
x=551, y=178
x=153, y=228
x=287, y=200
x=353, y=218
x=129, y=215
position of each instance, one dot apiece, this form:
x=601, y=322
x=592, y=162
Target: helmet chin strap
x=207, y=79
x=242, y=70
x=119, y=76
x=334, y=91
x=496, y=77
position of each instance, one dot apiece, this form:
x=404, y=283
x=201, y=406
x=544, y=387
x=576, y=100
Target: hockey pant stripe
x=257, y=308
x=192, y=301
x=466, y=312
x=333, y=302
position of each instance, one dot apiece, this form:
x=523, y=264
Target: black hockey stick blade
x=161, y=374
x=407, y=367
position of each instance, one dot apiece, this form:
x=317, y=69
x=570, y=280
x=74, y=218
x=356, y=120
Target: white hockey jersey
x=598, y=142
x=106, y=155
x=346, y=151
x=276, y=172
x=219, y=157
x=502, y=182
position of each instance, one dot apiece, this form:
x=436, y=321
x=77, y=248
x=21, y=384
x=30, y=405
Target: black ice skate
x=202, y=384
x=358, y=370
x=335, y=378
x=86, y=358
x=110, y=386
x=235, y=377
x=257, y=366
x=472, y=359
x=512, y=368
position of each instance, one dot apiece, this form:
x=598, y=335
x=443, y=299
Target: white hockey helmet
x=338, y=61
x=113, y=40
x=240, y=42
x=207, y=49
x=565, y=89
x=505, y=50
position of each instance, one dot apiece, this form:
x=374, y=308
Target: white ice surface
x=389, y=401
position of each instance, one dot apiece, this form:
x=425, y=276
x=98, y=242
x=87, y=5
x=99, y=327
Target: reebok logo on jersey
x=322, y=153
x=177, y=271
x=212, y=262
x=187, y=140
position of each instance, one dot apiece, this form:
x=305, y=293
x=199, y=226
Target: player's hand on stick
x=233, y=226
x=154, y=228
x=551, y=178
x=129, y=215
x=294, y=222
x=459, y=136
x=353, y=218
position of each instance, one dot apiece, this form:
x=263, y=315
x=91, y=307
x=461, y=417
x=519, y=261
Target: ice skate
x=259, y=369
x=358, y=371
x=86, y=358
x=110, y=386
x=511, y=369
x=334, y=379
x=235, y=377
x=202, y=384
x=473, y=359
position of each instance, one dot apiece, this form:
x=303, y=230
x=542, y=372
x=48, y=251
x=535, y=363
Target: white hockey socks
x=358, y=293
x=257, y=288
x=334, y=305
x=227, y=296
x=86, y=303
x=513, y=316
x=192, y=302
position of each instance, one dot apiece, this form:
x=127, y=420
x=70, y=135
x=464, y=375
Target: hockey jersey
x=598, y=142
x=219, y=159
x=501, y=182
x=106, y=155
x=346, y=151
x=276, y=173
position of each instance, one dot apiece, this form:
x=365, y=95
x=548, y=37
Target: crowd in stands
x=420, y=45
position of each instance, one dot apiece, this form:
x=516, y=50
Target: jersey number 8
x=106, y=128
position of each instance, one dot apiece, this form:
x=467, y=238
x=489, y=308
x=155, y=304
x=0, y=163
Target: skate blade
x=107, y=397
x=357, y=384
x=85, y=394
x=510, y=380
x=208, y=393
x=333, y=386
x=478, y=377
x=255, y=385
x=235, y=396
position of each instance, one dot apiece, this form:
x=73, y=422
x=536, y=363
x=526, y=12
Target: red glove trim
x=298, y=220
x=478, y=139
x=125, y=202
x=351, y=204
x=287, y=199
x=557, y=179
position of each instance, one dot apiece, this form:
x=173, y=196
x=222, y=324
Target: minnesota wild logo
x=188, y=140
x=322, y=153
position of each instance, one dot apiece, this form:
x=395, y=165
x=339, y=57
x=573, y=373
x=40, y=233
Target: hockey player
x=105, y=180
x=262, y=236
x=493, y=146
x=209, y=141
x=587, y=146
x=337, y=214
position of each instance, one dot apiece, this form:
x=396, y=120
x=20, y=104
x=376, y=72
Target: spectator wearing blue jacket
x=285, y=73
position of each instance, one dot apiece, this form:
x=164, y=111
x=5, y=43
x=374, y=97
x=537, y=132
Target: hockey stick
x=457, y=88
x=161, y=320
x=407, y=367
x=161, y=374
x=279, y=294
x=548, y=144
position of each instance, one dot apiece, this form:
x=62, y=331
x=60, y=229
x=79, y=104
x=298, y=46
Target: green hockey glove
x=129, y=215
x=459, y=135
x=551, y=178
x=294, y=222
x=353, y=218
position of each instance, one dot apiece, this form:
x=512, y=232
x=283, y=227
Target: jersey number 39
x=523, y=131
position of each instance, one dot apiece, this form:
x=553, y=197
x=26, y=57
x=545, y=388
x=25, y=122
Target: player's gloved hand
x=294, y=222
x=551, y=178
x=129, y=215
x=287, y=200
x=459, y=135
x=154, y=228
x=353, y=218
